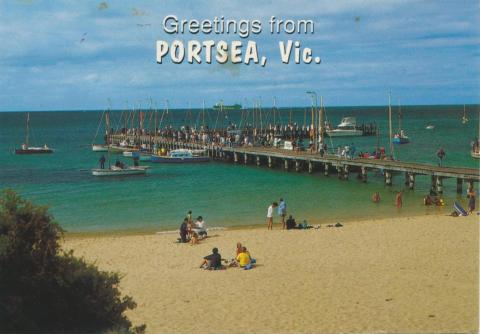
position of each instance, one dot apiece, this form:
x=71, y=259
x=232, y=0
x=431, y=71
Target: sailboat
x=464, y=117
x=25, y=149
x=400, y=137
x=102, y=147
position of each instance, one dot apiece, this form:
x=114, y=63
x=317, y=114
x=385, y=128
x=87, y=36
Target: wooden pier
x=328, y=164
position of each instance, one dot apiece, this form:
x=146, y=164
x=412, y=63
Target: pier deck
x=305, y=160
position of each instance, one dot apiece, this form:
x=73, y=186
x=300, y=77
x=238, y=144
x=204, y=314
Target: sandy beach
x=408, y=275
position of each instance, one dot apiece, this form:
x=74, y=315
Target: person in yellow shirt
x=243, y=258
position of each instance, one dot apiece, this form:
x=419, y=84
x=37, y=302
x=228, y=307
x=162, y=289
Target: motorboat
x=400, y=138
x=118, y=171
x=99, y=148
x=182, y=156
x=347, y=127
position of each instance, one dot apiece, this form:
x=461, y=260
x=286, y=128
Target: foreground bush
x=43, y=289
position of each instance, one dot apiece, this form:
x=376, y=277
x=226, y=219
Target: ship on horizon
x=220, y=105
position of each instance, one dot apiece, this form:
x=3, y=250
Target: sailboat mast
x=27, y=129
x=203, y=115
x=274, y=108
x=390, y=125
x=399, y=117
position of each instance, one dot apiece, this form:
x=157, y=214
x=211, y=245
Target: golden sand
x=409, y=275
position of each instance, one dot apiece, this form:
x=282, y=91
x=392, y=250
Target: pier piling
x=285, y=162
x=433, y=184
x=270, y=162
x=388, y=178
x=364, y=174
x=459, y=185
x=297, y=166
x=310, y=167
x=325, y=172
x=411, y=180
x=345, y=172
x=258, y=160
x=439, y=184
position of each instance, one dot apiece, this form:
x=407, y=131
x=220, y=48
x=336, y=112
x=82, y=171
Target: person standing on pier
x=102, y=162
x=270, y=215
x=282, y=211
x=440, y=155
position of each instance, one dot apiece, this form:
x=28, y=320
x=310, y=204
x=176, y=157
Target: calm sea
x=224, y=194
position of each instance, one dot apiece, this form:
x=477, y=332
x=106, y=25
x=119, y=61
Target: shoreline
x=150, y=231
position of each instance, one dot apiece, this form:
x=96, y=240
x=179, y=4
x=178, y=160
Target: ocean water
x=224, y=194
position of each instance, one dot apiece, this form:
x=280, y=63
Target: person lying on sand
x=212, y=261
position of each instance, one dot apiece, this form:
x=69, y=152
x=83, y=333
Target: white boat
x=117, y=171
x=475, y=154
x=182, y=156
x=102, y=147
x=430, y=127
x=400, y=137
x=464, y=117
x=99, y=148
x=346, y=128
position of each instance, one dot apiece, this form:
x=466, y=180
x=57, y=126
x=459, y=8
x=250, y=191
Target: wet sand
x=406, y=275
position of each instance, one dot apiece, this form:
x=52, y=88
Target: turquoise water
x=225, y=194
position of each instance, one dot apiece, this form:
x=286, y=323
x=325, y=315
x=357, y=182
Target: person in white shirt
x=200, y=228
x=270, y=215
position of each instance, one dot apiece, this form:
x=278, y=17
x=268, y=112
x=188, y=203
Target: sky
x=81, y=55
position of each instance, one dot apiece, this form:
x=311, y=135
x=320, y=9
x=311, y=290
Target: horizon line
x=263, y=107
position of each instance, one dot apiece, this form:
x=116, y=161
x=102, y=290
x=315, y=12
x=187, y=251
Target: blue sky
x=424, y=52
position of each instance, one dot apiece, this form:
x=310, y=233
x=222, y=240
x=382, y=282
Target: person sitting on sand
x=291, y=223
x=376, y=197
x=199, y=227
x=212, y=261
x=239, y=248
x=233, y=262
x=244, y=259
x=193, y=238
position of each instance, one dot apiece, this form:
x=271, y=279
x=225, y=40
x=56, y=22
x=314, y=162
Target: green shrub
x=45, y=290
